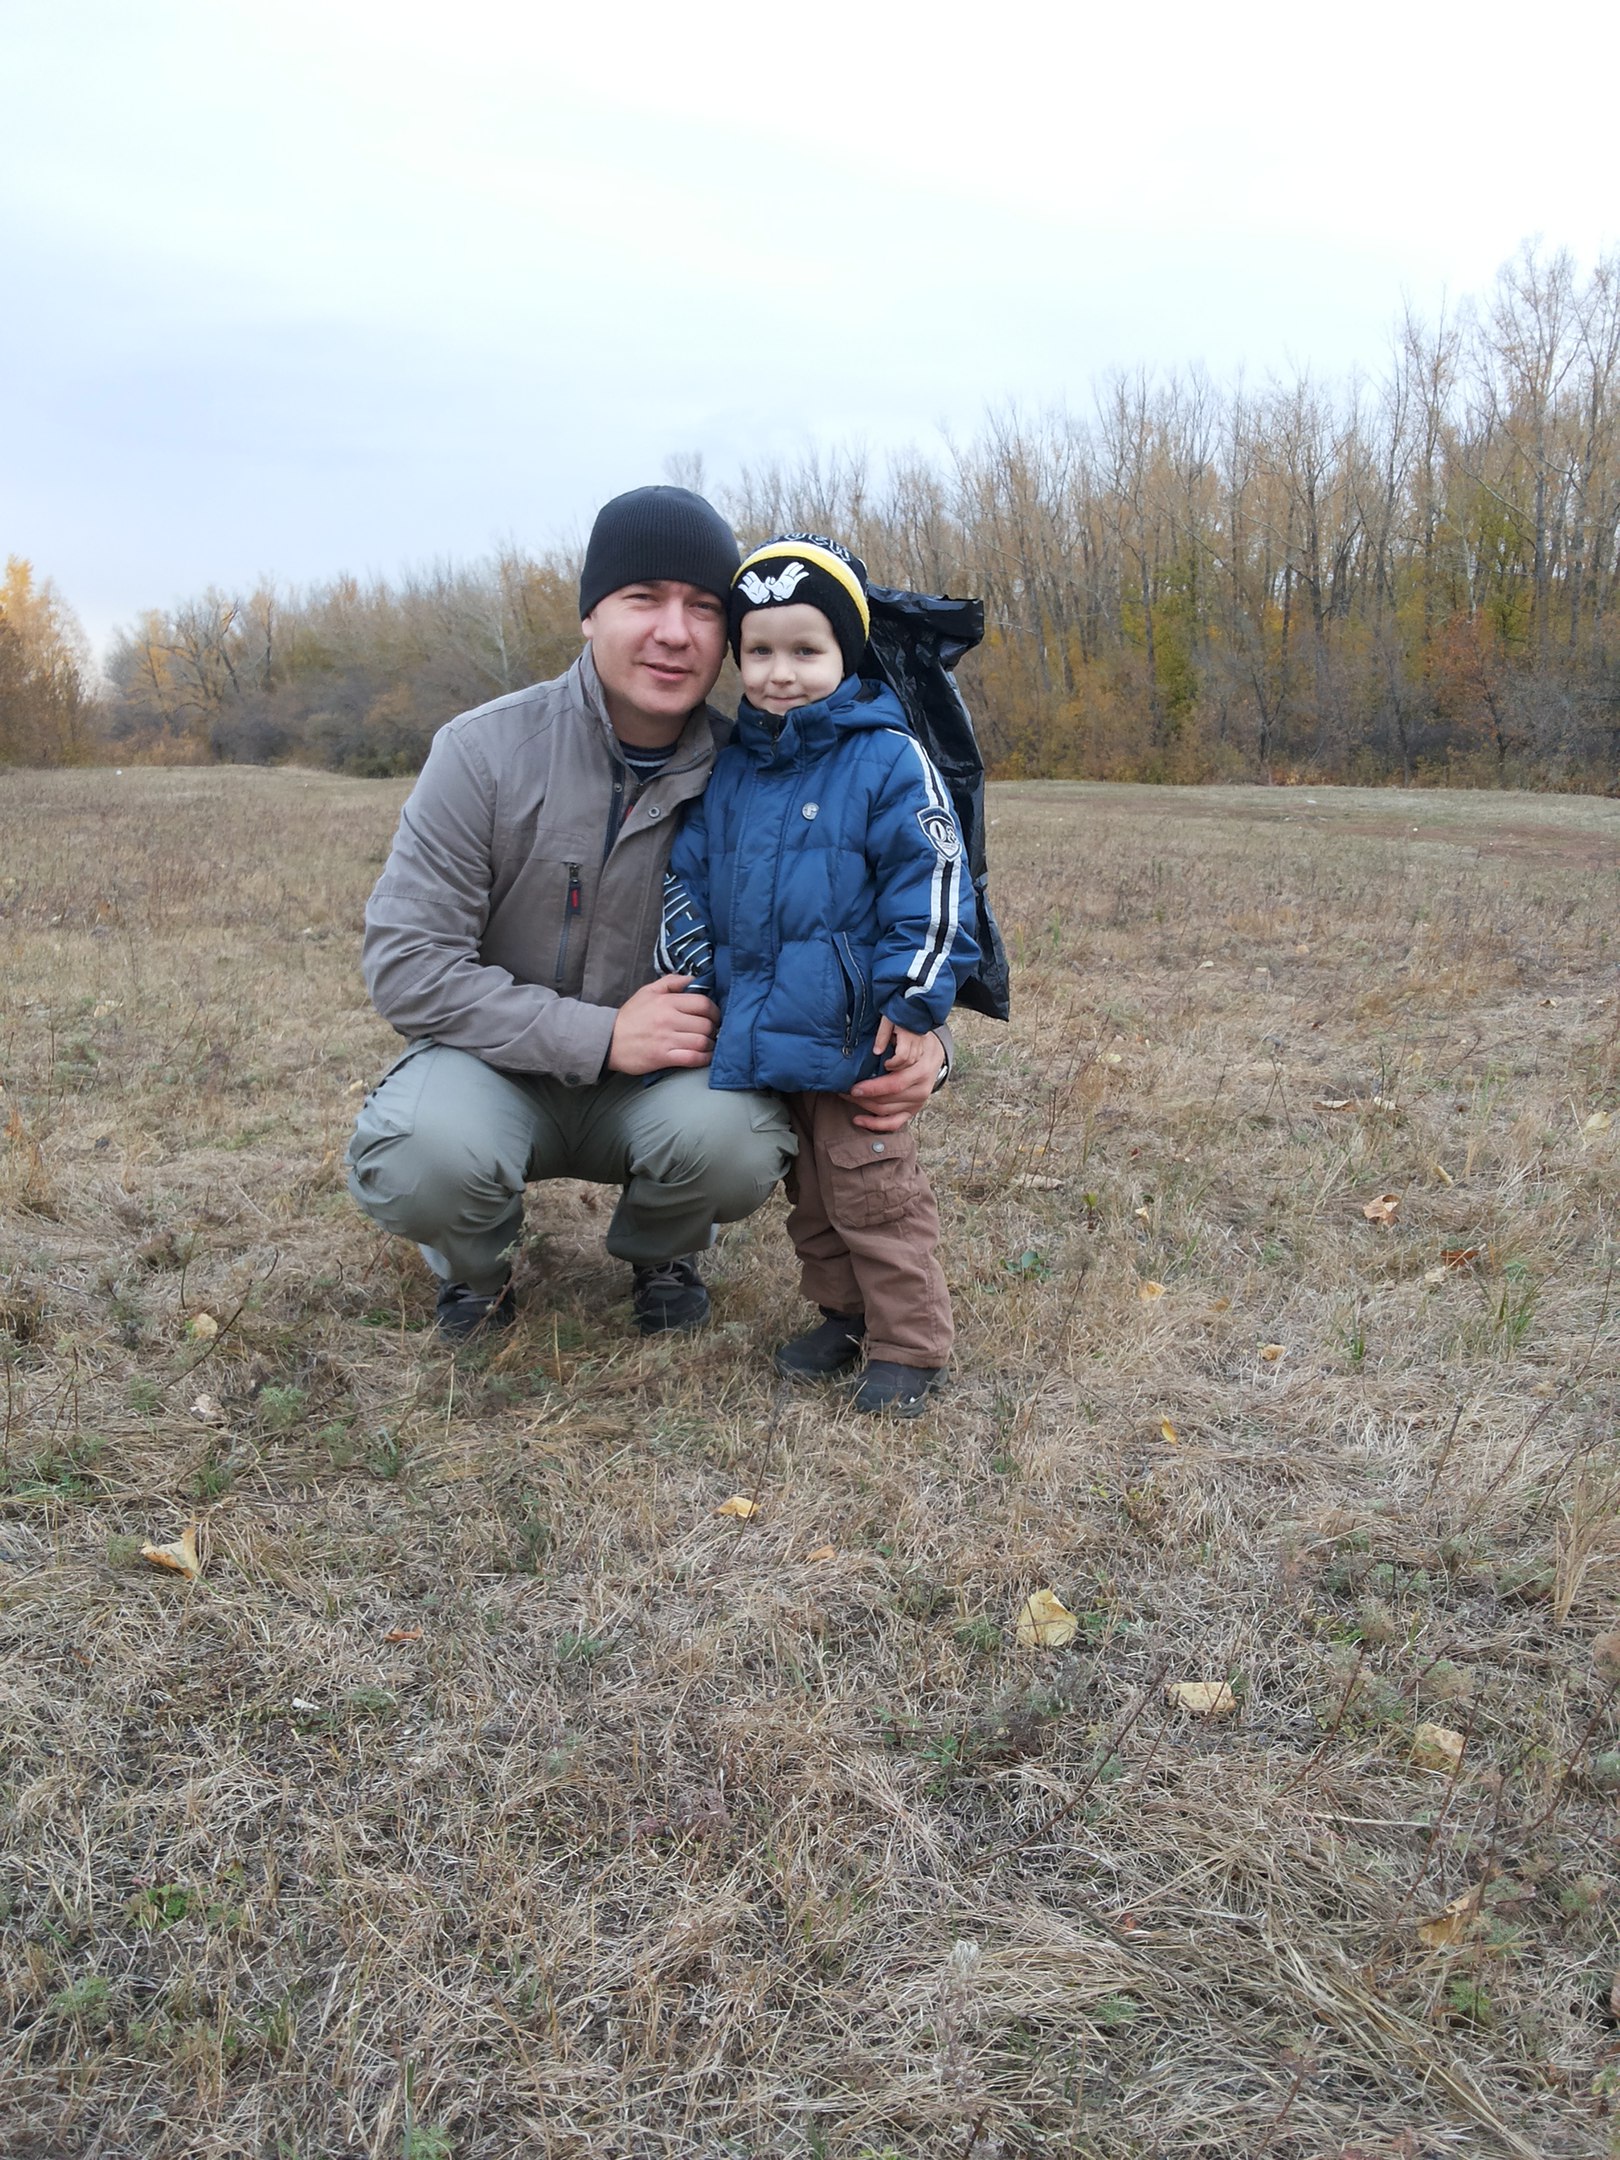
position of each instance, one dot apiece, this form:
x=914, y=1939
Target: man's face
x=658, y=649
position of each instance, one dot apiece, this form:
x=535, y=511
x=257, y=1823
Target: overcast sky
x=297, y=288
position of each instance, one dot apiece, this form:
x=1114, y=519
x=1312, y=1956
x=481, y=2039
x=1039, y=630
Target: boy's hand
x=657, y=1027
x=890, y=1100
x=903, y=1046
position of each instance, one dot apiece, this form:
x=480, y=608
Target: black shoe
x=901, y=1390
x=826, y=1352
x=463, y=1311
x=669, y=1295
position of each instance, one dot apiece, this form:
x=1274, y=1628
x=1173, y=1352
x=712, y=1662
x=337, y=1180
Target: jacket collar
x=811, y=730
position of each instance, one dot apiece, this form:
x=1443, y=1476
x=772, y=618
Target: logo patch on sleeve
x=940, y=827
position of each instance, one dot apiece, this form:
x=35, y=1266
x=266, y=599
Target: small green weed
x=87, y=2000
x=282, y=1407
x=572, y=1649
x=372, y=1702
x=1469, y=2002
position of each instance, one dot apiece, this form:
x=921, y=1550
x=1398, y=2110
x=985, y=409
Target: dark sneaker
x=901, y=1390
x=669, y=1295
x=463, y=1311
x=826, y=1352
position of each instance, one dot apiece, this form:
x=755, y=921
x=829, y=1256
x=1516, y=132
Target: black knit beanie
x=806, y=569
x=657, y=532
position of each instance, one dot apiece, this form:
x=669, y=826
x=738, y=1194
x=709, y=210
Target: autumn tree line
x=1414, y=576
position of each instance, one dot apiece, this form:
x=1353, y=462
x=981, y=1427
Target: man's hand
x=658, y=1026
x=892, y=1099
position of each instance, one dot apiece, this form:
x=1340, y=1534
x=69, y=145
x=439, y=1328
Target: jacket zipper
x=569, y=912
x=742, y=808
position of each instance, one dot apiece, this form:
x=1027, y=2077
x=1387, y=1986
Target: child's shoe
x=826, y=1352
x=901, y=1390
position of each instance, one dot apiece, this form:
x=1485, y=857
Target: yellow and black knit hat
x=809, y=570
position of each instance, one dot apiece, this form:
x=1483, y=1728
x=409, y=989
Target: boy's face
x=788, y=657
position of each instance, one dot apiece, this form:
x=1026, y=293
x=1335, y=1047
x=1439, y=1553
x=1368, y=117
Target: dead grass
x=489, y=1796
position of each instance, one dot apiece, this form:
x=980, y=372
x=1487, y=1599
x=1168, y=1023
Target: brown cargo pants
x=865, y=1225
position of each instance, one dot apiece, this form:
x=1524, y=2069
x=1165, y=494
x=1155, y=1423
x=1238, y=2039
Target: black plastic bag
x=917, y=639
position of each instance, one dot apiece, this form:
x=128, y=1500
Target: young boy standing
x=826, y=863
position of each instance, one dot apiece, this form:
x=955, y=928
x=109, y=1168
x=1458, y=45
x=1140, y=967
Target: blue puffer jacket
x=827, y=862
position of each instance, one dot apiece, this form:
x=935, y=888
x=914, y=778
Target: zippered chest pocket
x=543, y=925
x=572, y=903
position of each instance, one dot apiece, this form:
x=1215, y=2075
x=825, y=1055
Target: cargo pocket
x=870, y=1178
x=389, y=1112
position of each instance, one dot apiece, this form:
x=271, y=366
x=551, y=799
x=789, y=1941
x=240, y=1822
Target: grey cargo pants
x=444, y=1146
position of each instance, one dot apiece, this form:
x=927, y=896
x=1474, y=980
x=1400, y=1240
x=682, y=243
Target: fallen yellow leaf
x=1148, y=1291
x=1045, y=1622
x=739, y=1505
x=1335, y=1102
x=1381, y=1210
x=1599, y=1121
x=1441, y=1172
x=202, y=1327
x=1437, y=1747
x=1459, y=1920
x=821, y=1552
x=1204, y=1698
x=182, y=1555
x=1168, y=1432
x=1272, y=1351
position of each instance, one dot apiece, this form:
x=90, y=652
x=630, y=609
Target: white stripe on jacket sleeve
x=945, y=888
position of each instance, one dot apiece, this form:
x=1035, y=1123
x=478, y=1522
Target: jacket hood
x=809, y=730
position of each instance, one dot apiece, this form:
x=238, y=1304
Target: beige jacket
x=520, y=906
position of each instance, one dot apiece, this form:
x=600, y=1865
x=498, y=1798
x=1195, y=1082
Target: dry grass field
x=488, y=1794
